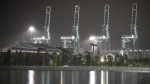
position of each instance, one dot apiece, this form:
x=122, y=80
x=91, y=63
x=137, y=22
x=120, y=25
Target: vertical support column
x=76, y=29
x=134, y=26
x=106, y=26
x=47, y=39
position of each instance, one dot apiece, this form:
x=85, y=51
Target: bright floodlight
x=73, y=37
x=102, y=59
x=31, y=28
x=92, y=38
x=43, y=37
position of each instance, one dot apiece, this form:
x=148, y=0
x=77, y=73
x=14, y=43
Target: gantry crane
x=46, y=34
x=67, y=40
x=104, y=36
x=133, y=33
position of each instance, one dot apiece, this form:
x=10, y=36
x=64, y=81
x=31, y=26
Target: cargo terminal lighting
x=97, y=39
x=31, y=29
x=67, y=41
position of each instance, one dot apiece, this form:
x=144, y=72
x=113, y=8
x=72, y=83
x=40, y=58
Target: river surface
x=72, y=77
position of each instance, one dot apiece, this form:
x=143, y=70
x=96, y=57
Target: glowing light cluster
x=92, y=38
x=67, y=38
x=31, y=28
x=98, y=38
x=38, y=39
x=67, y=41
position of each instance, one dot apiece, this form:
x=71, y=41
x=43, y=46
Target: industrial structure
x=46, y=33
x=101, y=42
x=104, y=36
x=74, y=39
x=133, y=36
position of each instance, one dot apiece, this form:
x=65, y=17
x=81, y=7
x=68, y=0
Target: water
x=72, y=77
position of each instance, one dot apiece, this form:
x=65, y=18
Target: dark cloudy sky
x=17, y=15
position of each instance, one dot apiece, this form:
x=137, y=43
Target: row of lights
x=64, y=37
x=97, y=37
x=91, y=38
x=137, y=50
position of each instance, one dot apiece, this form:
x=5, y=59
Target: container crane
x=46, y=34
x=133, y=32
x=104, y=36
x=74, y=38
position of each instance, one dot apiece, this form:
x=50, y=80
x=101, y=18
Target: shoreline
x=76, y=68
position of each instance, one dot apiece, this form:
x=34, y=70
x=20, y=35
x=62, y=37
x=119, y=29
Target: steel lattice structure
x=46, y=34
x=105, y=36
x=76, y=29
x=67, y=40
x=47, y=26
x=133, y=32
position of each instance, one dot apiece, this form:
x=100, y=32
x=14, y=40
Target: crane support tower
x=76, y=29
x=74, y=39
x=47, y=26
x=46, y=36
x=104, y=35
x=106, y=27
x=133, y=32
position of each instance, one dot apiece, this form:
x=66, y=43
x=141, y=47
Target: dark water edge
x=74, y=75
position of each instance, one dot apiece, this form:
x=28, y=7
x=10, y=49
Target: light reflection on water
x=31, y=77
x=73, y=77
x=48, y=78
x=104, y=77
x=92, y=77
x=61, y=77
x=43, y=72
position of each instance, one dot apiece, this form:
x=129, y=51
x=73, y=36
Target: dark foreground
x=74, y=75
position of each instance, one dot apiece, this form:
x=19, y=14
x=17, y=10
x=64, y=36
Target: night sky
x=17, y=15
